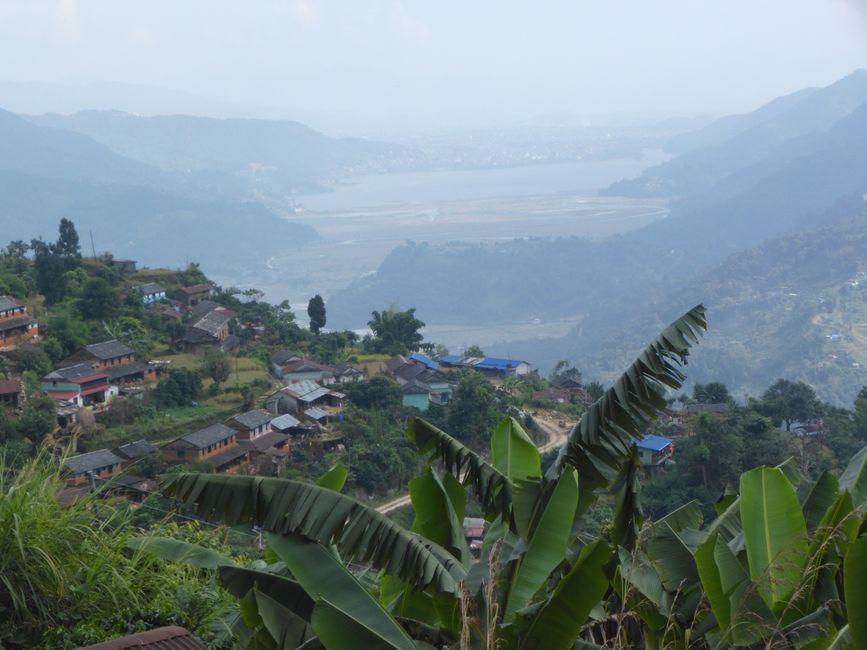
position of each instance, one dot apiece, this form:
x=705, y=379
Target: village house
x=78, y=385
x=133, y=451
x=124, y=266
x=250, y=425
x=288, y=365
x=130, y=486
x=420, y=383
x=151, y=292
x=161, y=638
x=211, y=331
x=16, y=325
x=115, y=359
x=300, y=396
x=289, y=424
x=216, y=445
x=267, y=452
x=488, y=365
x=10, y=392
x=345, y=373
x=101, y=464
x=655, y=451
x=190, y=296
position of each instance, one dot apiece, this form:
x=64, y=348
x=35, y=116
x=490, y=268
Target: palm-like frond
x=491, y=487
x=282, y=506
x=600, y=442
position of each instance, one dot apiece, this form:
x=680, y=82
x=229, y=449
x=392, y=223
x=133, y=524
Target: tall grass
x=66, y=565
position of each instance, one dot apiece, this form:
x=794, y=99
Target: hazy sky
x=443, y=61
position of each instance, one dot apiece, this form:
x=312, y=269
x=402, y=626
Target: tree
x=67, y=246
x=216, y=366
x=474, y=351
x=379, y=392
x=713, y=393
x=594, y=390
x=565, y=373
x=395, y=332
x=788, y=402
x=32, y=357
x=50, y=270
x=316, y=312
x=473, y=409
x=99, y=300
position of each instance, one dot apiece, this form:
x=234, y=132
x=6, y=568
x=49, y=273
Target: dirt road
x=555, y=437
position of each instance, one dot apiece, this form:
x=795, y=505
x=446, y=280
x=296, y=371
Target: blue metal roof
x=653, y=443
x=421, y=358
x=494, y=363
x=450, y=358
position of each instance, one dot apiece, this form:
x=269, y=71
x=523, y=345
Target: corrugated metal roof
x=426, y=360
x=315, y=413
x=314, y=395
x=91, y=461
x=252, y=419
x=8, y=302
x=653, y=443
x=286, y=421
x=109, y=349
x=208, y=436
x=161, y=638
x=302, y=387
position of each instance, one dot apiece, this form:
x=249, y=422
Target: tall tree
x=98, y=300
x=788, y=402
x=67, y=242
x=50, y=271
x=316, y=312
x=713, y=393
x=395, y=332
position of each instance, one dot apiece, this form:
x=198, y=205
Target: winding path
x=556, y=437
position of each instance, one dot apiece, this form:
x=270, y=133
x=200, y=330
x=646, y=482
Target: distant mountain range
x=782, y=213
x=165, y=189
x=277, y=155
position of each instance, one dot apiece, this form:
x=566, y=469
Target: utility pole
x=92, y=247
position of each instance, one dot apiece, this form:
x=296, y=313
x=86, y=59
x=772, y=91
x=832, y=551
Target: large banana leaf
x=334, y=478
x=855, y=588
x=820, y=497
x=324, y=578
x=602, y=439
x=512, y=451
x=627, y=511
x=439, y=512
x=547, y=547
x=775, y=534
x=557, y=623
x=359, y=531
x=490, y=486
x=238, y=581
x=854, y=477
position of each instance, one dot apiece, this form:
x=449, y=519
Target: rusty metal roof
x=161, y=638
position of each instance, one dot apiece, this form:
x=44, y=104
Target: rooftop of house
x=8, y=302
x=194, y=289
x=283, y=356
x=208, y=436
x=414, y=388
x=426, y=360
x=344, y=368
x=91, y=461
x=150, y=288
x=161, y=638
x=301, y=388
x=202, y=308
x=397, y=361
x=109, y=349
x=409, y=371
x=13, y=323
x=486, y=363
x=79, y=373
x=652, y=442
x=137, y=449
x=226, y=457
x=213, y=321
x=305, y=365
x=315, y=413
x=119, y=372
x=253, y=419
x=10, y=386
x=285, y=421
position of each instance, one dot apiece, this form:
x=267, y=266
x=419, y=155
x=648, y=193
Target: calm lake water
x=528, y=180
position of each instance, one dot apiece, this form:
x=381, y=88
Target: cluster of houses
x=16, y=325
